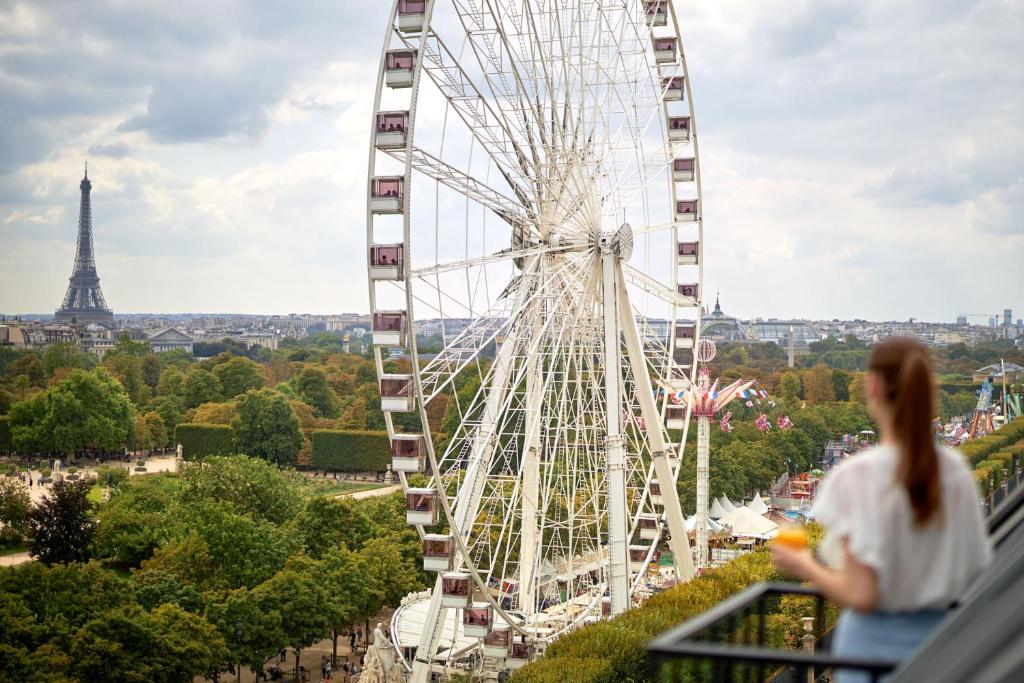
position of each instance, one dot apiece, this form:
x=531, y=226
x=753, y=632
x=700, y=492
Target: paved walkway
x=16, y=558
x=158, y=463
x=371, y=493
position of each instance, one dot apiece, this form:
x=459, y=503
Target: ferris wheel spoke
x=650, y=285
x=475, y=109
x=429, y=165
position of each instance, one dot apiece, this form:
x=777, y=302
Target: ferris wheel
x=535, y=261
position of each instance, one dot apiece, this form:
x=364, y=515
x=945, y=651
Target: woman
x=905, y=537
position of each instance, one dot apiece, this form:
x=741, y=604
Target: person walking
x=905, y=537
x=352, y=640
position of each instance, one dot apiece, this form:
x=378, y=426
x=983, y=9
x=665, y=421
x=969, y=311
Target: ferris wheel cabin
x=683, y=169
x=675, y=417
x=386, y=261
x=421, y=506
x=690, y=290
x=664, y=50
x=438, y=552
x=455, y=589
x=679, y=128
x=638, y=554
x=392, y=129
x=389, y=328
x=411, y=15
x=685, y=334
x=648, y=525
x=407, y=453
x=686, y=210
x=398, y=68
x=656, y=12
x=477, y=620
x=655, y=493
x=520, y=654
x=689, y=252
x=498, y=641
x=396, y=394
x=387, y=194
x=673, y=88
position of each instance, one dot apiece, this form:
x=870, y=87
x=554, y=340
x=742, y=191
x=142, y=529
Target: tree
x=151, y=371
x=856, y=389
x=171, y=382
x=201, y=386
x=89, y=409
x=149, y=431
x=818, y=386
x=267, y=427
x=169, y=410
x=326, y=523
x=65, y=355
x=789, y=388
x=136, y=519
x=311, y=386
x=127, y=368
x=213, y=414
x=15, y=504
x=61, y=526
x=247, y=486
x=237, y=376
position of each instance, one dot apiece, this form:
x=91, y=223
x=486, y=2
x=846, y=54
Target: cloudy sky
x=861, y=158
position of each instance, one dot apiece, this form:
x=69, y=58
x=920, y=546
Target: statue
x=380, y=663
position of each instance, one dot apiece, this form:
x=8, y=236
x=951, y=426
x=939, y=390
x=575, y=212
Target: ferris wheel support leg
x=678, y=543
x=529, y=537
x=618, y=556
x=477, y=467
x=703, y=448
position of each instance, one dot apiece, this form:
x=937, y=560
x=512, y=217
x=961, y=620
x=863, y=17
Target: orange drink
x=792, y=536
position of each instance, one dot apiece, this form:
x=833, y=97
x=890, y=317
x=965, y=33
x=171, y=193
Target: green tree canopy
x=267, y=427
x=61, y=526
x=311, y=386
x=88, y=409
x=238, y=375
x=201, y=386
x=247, y=486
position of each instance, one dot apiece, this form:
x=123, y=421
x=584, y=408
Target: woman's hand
x=798, y=563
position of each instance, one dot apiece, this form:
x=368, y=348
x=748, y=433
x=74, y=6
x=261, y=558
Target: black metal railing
x=730, y=642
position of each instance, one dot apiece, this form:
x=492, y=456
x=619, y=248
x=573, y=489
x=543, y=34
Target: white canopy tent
x=726, y=504
x=716, y=511
x=758, y=505
x=713, y=526
x=744, y=522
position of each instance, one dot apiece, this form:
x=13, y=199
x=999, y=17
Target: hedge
x=200, y=441
x=1009, y=435
x=350, y=451
x=615, y=650
x=5, y=434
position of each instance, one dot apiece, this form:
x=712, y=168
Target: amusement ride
x=535, y=261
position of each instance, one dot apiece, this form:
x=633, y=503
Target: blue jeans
x=880, y=635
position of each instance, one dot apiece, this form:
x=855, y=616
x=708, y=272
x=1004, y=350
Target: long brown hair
x=905, y=369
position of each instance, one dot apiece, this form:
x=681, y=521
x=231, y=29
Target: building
x=252, y=339
x=778, y=332
x=1014, y=373
x=84, y=303
x=721, y=327
x=170, y=339
x=1007, y=316
x=961, y=320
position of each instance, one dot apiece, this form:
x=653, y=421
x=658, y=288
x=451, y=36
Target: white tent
x=758, y=504
x=716, y=511
x=713, y=526
x=746, y=522
x=726, y=503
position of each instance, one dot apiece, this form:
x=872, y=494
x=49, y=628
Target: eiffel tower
x=84, y=302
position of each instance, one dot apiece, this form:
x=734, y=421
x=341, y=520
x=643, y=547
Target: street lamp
x=238, y=639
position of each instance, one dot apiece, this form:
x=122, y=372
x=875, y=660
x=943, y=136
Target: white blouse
x=917, y=568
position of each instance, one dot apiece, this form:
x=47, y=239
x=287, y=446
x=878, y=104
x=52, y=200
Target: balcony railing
x=730, y=643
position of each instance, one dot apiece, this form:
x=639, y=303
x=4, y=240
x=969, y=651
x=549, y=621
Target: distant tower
x=84, y=300
x=792, y=350
x=345, y=343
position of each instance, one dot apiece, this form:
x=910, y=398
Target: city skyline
x=223, y=181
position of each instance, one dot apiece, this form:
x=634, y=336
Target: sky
x=860, y=159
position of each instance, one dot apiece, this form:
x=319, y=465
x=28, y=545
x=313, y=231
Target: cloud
x=850, y=151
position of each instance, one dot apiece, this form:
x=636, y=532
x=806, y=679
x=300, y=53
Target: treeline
x=184, y=576
x=136, y=399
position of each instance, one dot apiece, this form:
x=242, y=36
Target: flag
x=724, y=422
x=784, y=422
